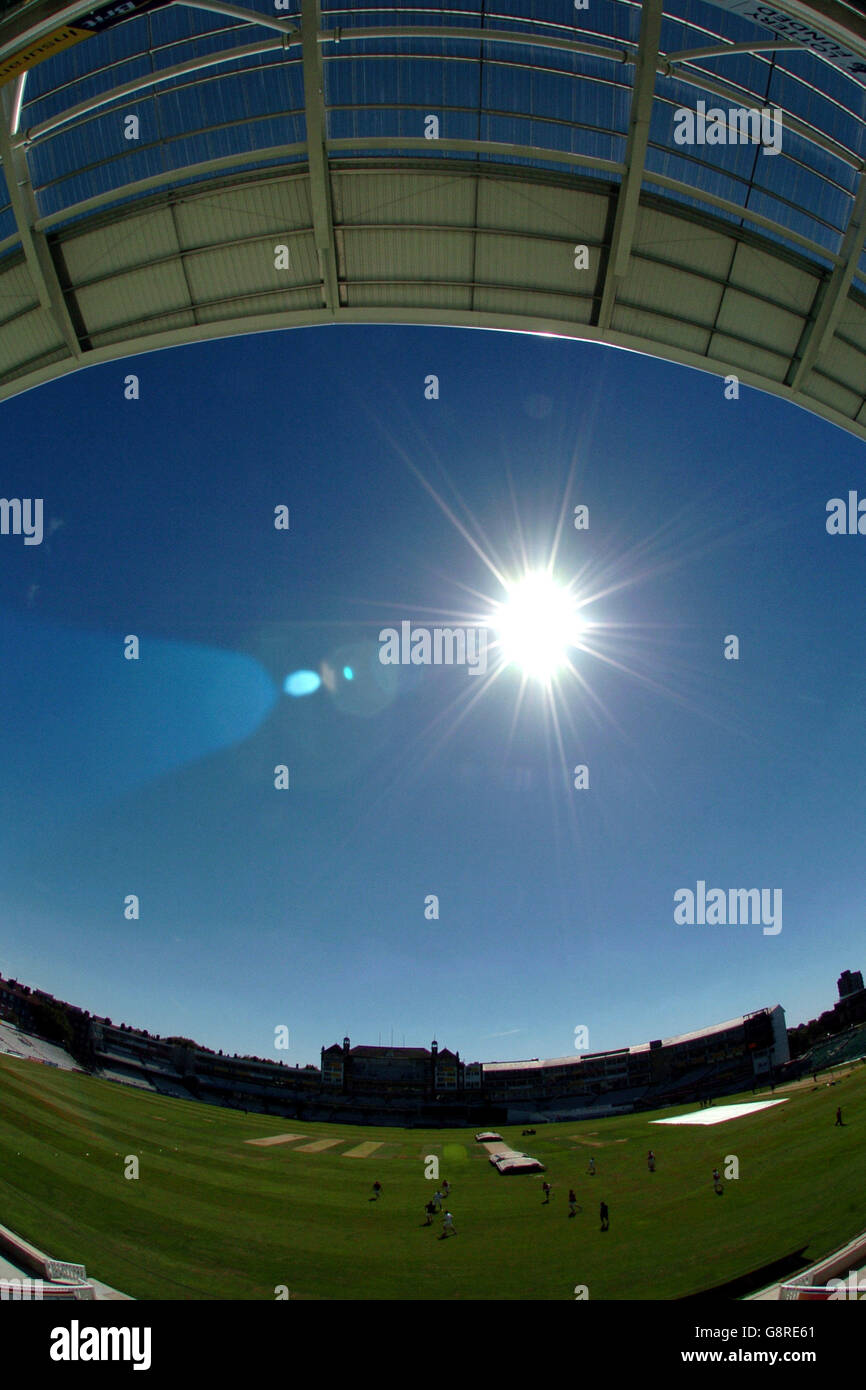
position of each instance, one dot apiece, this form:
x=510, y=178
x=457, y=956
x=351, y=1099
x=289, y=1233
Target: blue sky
x=306, y=907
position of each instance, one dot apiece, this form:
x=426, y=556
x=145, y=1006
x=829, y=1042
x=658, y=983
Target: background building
x=724, y=1058
x=412, y=1071
x=417, y=1084
x=849, y=982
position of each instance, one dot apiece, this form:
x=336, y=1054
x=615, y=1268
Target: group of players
x=434, y=1206
x=604, y=1212
x=431, y=1209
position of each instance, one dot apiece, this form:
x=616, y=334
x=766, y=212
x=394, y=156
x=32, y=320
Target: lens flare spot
x=348, y=673
x=301, y=683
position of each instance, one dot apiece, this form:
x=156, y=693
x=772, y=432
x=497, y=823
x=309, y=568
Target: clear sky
x=306, y=907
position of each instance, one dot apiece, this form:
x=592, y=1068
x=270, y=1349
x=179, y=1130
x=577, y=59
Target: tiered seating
x=846, y=1047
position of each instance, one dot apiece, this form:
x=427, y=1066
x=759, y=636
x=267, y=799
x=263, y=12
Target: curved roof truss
x=445, y=174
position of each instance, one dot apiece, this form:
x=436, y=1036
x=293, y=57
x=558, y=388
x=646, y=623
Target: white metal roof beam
x=56, y=19
x=240, y=12
x=756, y=219
x=719, y=50
x=622, y=56
x=149, y=79
x=156, y=182
x=40, y=264
x=831, y=301
x=234, y=163
x=17, y=103
x=320, y=175
x=625, y=53
x=418, y=142
x=36, y=371
x=635, y=156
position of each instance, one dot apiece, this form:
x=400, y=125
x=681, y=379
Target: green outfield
x=212, y=1216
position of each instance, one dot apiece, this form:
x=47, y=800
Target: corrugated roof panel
x=87, y=72
x=527, y=206
x=688, y=167
x=408, y=254
x=79, y=161
x=265, y=209
x=667, y=289
x=536, y=262
x=179, y=21
x=374, y=196
x=22, y=372
x=638, y=323
x=18, y=289
x=266, y=85
x=852, y=323
x=843, y=364
x=567, y=86
x=796, y=93
x=831, y=393
x=676, y=240
x=110, y=161
x=774, y=328
x=125, y=299
x=146, y=237
x=768, y=275
x=33, y=338
x=433, y=83
x=574, y=307
x=815, y=228
x=402, y=122
x=746, y=355
x=290, y=300
x=432, y=150
x=455, y=297
x=545, y=135
x=552, y=165
x=250, y=269
x=794, y=176
x=160, y=323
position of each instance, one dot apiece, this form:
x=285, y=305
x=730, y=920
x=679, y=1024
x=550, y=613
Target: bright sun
x=537, y=624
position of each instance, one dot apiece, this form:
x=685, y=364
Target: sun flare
x=537, y=625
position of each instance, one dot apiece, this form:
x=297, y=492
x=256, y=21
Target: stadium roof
x=310, y=129
x=409, y=1053
x=536, y=1064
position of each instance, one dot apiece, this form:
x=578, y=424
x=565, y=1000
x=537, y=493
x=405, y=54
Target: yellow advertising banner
x=96, y=21
x=42, y=48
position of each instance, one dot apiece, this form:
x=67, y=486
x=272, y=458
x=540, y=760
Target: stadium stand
x=16, y=1043
x=833, y=1052
x=423, y=1088
x=125, y=1079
